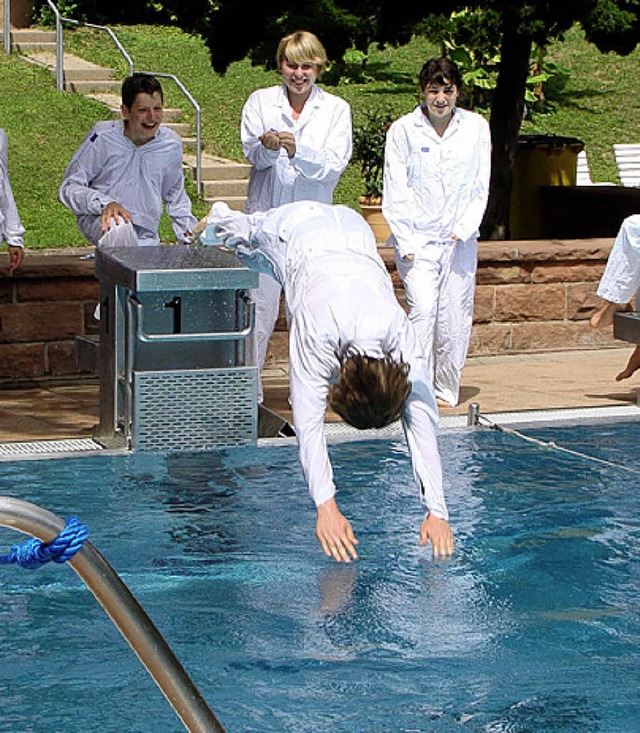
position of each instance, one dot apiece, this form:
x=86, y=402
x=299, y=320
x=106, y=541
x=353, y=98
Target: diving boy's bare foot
x=605, y=313
x=442, y=403
x=632, y=365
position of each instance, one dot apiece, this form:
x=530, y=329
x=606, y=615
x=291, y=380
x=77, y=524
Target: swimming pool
x=533, y=625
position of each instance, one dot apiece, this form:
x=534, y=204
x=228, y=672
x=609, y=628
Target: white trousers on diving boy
x=440, y=284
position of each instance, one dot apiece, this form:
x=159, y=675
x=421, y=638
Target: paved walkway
x=556, y=381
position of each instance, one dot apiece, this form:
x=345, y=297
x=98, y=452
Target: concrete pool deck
x=498, y=384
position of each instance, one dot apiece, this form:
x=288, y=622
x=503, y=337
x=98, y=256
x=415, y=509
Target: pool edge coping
x=335, y=432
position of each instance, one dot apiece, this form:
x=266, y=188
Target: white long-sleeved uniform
x=436, y=190
x=323, y=138
x=11, y=229
x=323, y=147
x=436, y=186
x=339, y=297
x=621, y=278
x=108, y=167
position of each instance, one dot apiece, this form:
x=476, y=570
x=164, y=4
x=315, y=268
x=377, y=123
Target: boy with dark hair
x=349, y=342
x=119, y=178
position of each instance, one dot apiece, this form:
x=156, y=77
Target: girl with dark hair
x=436, y=185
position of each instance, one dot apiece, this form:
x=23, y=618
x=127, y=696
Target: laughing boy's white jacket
x=339, y=298
x=109, y=167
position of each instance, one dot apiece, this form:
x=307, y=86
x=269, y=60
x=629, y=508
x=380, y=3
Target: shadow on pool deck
x=550, y=381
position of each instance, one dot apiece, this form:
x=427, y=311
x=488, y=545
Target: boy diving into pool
x=349, y=342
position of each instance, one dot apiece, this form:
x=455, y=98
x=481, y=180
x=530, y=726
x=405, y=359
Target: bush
x=368, y=150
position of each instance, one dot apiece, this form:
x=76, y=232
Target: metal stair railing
x=126, y=613
x=198, y=113
x=60, y=19
x=6, y=26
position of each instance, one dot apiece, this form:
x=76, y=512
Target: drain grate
x=48, y=446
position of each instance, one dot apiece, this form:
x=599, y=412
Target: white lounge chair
x=628, y=161
x=583, y=172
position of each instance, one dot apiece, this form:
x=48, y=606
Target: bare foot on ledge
x=632, y=365
x=605, y=313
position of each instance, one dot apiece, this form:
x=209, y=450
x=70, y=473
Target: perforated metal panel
x=195, y=409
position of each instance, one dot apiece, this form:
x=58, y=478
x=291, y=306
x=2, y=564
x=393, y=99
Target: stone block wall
x=535, y=296
x=532, y=296
x=43, y=307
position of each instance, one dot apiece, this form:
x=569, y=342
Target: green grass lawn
x=598, y=105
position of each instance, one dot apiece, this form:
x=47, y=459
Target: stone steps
x=222, y=180
x=80, y=76
x=28, y=40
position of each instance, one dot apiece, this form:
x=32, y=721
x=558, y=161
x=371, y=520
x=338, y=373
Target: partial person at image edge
x=619, y=284
x=11, y=229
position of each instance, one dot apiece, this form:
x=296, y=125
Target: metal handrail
x=126, y=613
x=106, y=29
x=198, y=113
x=136, y=314
x=6, y=26
x=60, y=19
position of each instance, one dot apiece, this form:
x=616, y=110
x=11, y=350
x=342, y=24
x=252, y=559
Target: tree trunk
x=507, y=110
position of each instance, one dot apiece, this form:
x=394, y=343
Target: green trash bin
x=541, y=160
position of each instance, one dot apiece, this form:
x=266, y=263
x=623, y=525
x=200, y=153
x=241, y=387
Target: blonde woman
x=298, y=140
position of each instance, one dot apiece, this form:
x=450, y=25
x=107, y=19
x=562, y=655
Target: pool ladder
x=125, y=612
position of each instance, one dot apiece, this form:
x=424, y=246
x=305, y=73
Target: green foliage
x=545, y=84
x=352, y=70
x=96, y=11
x=42, y=14
x=597, y=105
x=368, y=150
x=472, y=38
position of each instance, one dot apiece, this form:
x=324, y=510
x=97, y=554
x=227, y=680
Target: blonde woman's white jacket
x=323, y=147
x=435, y=186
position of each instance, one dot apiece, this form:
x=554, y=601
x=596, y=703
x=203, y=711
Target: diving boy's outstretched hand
x=438, y=531
x=335, y=533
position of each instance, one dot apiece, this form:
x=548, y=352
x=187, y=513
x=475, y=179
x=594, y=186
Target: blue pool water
x=532, y=627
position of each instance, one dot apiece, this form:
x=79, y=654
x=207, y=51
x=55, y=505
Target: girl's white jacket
x=435, y=186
